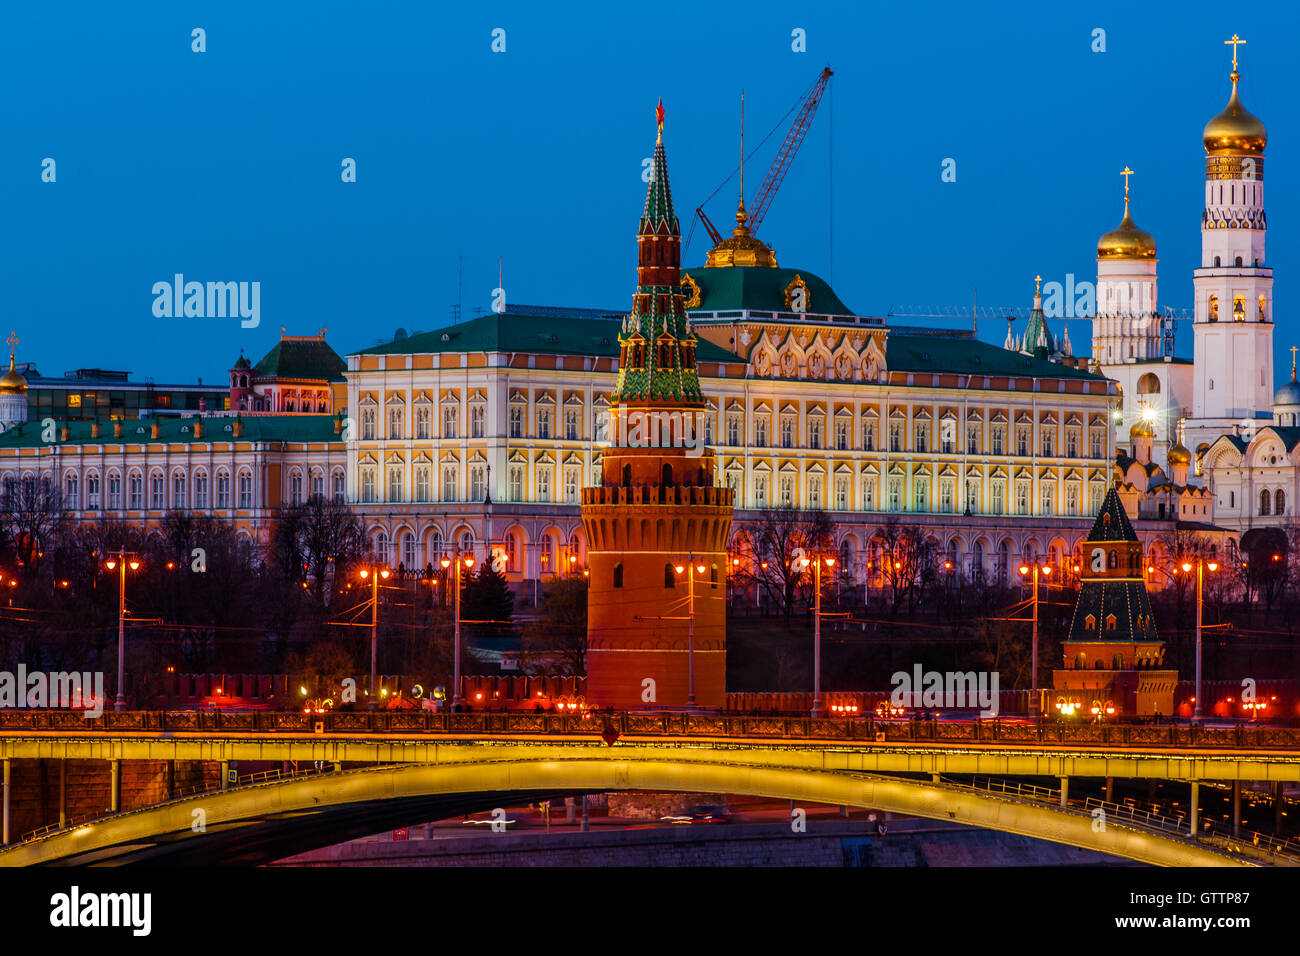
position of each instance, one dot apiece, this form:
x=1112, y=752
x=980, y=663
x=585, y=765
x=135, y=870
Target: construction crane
x=794, y=137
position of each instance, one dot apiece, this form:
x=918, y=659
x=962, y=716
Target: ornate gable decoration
x=797, y=296
x=691, y=289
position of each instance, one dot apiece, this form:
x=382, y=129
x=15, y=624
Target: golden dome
x=742, y=249
x=1141, y=430
x=1126, y=241
x=12, y=382
x=1235, y=130
x=1179, y=455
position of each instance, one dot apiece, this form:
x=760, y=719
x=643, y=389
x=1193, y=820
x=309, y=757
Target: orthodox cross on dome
x=12, y=342
x=1038, y=281
x=1126, y=173
x=1235, y=42
x=1294, y=349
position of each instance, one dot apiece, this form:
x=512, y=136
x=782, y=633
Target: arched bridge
x=407, y=778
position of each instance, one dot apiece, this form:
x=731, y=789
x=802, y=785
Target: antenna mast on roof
x=460, y=288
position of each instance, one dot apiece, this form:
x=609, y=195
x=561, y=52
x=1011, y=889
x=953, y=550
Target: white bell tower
x=1233, y=330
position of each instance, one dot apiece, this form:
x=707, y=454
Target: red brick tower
x=657, y=508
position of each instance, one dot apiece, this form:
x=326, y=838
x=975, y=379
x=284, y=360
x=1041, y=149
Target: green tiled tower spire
x=1113, y=602
x=657, y=346
x=1038, y=337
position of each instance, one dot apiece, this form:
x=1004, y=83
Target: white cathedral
x=1245, y=471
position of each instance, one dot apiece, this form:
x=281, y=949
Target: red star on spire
x=659, y=113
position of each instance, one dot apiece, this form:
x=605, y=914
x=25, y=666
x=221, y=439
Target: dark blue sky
x=225, y=165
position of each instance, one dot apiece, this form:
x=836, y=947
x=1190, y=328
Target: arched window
x=627, y=476
x=1090, y=623
x=668, y=475
x=670, y=576
x=1279, y=502
x=1262, y=303
x=618, y=575
x=1264, y=501
x=1214, y=308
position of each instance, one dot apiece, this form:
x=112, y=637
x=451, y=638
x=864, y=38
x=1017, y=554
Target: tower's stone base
x=622, y=678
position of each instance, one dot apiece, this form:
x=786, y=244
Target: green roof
x=301, y=358
x=257, y=428
x=552, y=334
x=967, y=355
x=1112, y=522
x=759, y=289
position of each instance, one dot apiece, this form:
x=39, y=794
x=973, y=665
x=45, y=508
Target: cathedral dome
x=1179, y=455
x=1288, y=394
x=1126, y=241
x=12, y=382
x=1235, y=130
x=1141, y=430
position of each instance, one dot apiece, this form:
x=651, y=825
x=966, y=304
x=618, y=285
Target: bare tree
x=30, y=511
x=906, y=561
x=312, y=541
x=782, y=537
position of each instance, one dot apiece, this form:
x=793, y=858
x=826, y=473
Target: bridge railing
x=719, y=724
x=1010, y=788
x=1250, y=843
x=249, y=779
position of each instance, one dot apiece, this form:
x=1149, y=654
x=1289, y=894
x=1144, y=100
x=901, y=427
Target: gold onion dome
x=1141, y=430
x=1126, y=241
x=1235, y=130
x=742, y=249
x=12, y=381
x=1179, y=455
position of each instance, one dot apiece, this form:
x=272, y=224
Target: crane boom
x=712, y=230
x=793, y=140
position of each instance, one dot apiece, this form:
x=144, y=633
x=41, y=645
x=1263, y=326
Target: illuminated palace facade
x=268, y=448
x=482, y=435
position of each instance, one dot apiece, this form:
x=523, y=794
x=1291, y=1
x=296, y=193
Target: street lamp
x=373, y=573
x=690, y=568
x=1046, y=570
x=120, y=563
x=817, y=628
x=1201, y=567
x=467, y=561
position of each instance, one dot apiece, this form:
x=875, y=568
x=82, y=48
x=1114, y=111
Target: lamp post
x=467, y=561
x=1047, y=571
x=120, y=564
x=690, y=568
x=817, y=708
x=374, y=572
x=1201, y=566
